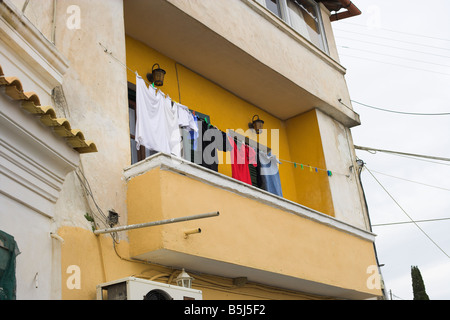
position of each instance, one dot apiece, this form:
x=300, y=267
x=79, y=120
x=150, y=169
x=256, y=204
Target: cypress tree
x=418, y=285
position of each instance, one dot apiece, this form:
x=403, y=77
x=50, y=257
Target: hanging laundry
x=194, y=134
x=185, y=118
x=241, y=158
x=157, y=126
x=210, y=141
x=270, y=176
x=188, y=129
x=151, y=131
x=172, y=125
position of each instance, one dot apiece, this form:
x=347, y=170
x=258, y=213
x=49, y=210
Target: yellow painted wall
x=305, y=143
x=99, y=262
x=228, y=111
x=249, y=233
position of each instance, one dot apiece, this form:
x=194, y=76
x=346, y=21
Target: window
x=303, y=16
x=274, y=6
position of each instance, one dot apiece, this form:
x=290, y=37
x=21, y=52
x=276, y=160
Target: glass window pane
x=273, y=6
x=134, y=152
x=304, y=19
x=132, y=114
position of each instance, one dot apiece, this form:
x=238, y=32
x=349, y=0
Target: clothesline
x=313, y=169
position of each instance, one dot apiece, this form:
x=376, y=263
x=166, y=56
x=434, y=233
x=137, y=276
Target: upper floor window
x=274, y=6
x=303, y=16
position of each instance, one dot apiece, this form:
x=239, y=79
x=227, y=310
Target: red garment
x=240, y=159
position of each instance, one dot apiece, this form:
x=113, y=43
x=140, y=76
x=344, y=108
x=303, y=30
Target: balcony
x=263, y=237
x=242, y=47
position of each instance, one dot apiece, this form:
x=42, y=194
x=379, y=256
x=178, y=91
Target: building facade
x=71, y=80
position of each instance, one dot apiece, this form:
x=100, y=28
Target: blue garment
x=270, y=176
x=194, y=134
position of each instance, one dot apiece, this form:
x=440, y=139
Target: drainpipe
x=352, y=11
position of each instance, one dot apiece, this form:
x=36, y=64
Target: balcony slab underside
x=268, y=239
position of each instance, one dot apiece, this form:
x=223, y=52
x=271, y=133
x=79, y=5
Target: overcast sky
x=409, y=71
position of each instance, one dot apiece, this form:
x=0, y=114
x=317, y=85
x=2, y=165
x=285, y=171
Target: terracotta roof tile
x=47, y=115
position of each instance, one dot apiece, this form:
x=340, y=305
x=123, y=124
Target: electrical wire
x=392, y=47
x=403, y=210
x=402, y=153
x=401, y=112
x=412, y=181
x=85, y=184
x=397, y=297
x=424, y=160
x=391, y=39
x=406, y=222
x=395, y=64
x=394, y=56
x=397, y=31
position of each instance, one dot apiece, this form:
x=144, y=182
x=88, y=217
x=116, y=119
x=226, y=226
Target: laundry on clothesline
x=159, y=120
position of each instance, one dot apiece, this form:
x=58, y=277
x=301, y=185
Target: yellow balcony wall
x=263, y=237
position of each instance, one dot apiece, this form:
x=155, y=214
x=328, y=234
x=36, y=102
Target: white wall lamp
x=184, y=280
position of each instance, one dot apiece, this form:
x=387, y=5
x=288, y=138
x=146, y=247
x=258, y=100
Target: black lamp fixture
x=157, y=75
x=256, y=124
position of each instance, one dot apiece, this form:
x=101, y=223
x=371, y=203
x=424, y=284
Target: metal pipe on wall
x=157, y=223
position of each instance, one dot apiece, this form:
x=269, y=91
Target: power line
x=394, y=47
x=406, y=222
x=391, y=39
x=413, y=158
x=403, y=210
x=395, y=296
x=412, y=181
x=397, y=31
x=395, y=64
x=401, y=112
x=394, y=56
x=402, y=153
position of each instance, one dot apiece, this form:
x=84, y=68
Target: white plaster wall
x=32, y=234
x=34, y=162
x=339, y=157
x=33, y=165
x=95, y=88
x=40, y=14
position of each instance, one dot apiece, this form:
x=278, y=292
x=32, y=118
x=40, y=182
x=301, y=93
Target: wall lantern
x=256, y=124
x=184, y=280
x=157, y=75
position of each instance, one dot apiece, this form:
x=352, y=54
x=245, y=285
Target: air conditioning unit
x=132, y=288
